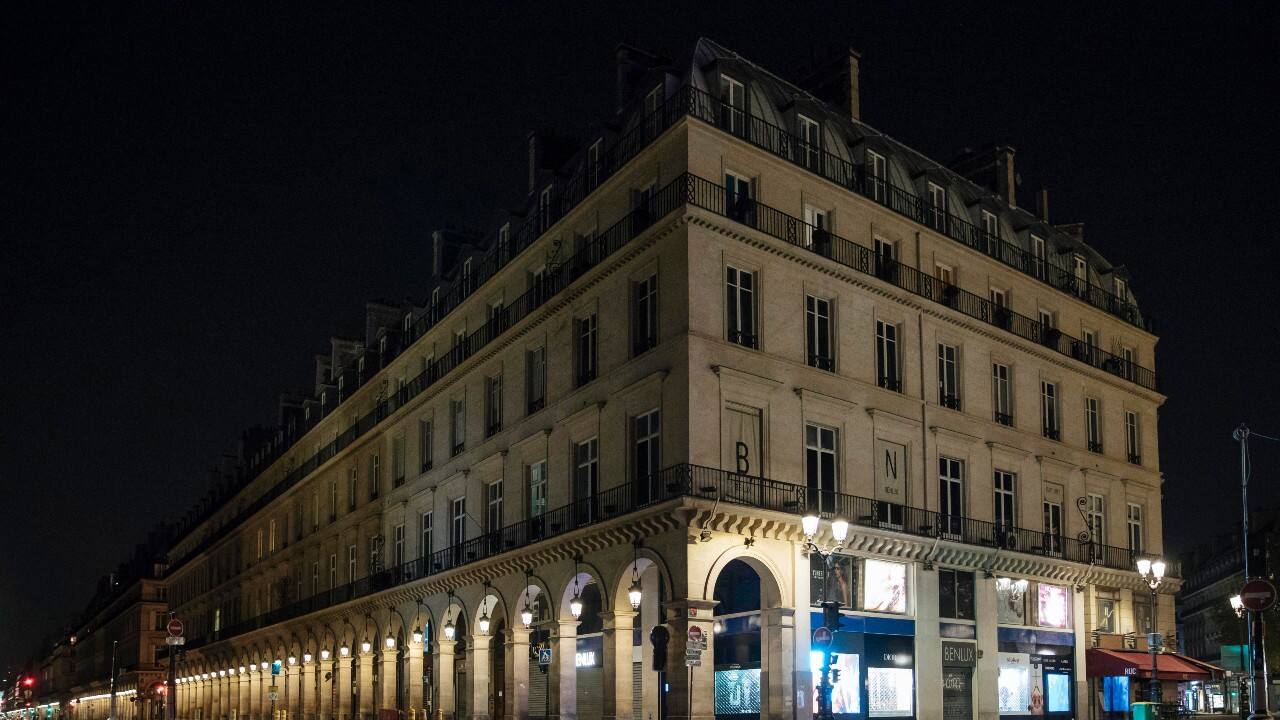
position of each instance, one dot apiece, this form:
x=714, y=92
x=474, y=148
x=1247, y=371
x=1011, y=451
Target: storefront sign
x=956, y=653
x=891, y=471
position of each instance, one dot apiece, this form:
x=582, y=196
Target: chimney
x=632, y=64
x=1042, y=204
x=991, y=168
x=838, y=82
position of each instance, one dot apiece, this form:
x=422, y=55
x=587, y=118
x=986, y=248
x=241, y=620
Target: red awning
x=1169, y=666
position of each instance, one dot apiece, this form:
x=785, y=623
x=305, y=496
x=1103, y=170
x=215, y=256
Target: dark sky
x=196, y=198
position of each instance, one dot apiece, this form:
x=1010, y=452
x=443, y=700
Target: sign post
x=174, y=641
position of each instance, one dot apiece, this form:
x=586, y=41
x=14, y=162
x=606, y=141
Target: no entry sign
x=174, y=627
x=1258, y=595
x=822, y=638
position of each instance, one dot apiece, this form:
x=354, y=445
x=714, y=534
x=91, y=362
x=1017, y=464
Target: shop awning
x=1169, y=666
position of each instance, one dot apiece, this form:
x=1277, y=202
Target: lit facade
x=734, y=305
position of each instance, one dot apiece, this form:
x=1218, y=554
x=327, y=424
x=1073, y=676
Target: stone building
x=734, y=304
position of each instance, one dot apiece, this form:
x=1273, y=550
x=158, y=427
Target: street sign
x=695, y=635
x=175, y=640
x=544, y=656
x=174, y=627
x=1258, y=595
x=822, y=638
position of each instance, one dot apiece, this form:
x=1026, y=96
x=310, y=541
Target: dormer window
x=382, y=347
x=435, y=299
x=733, y=99
x=504, y=234
x=1038, y=256
x=408, y=322
x=544, y=209
x=1081, y=273
x=652, y=101
x=1122, y=290
x=810, y=141
x=466, y=274
x=991, y=228
x=937, y=210
x=593, y=162
x=877, y=176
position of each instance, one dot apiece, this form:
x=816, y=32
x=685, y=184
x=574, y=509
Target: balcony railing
x=788, y=228
x=706, y=483
x=854, y=177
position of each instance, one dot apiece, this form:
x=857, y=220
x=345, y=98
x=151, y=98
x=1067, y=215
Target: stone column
x=387, y=680
x=928, y=647
x=517, y=680
x=261, y=706
x=219, y=693
x=342, y=676
x=233, y=706
x=206, y=697
x=1081, y=631
x=324, y=687
x=478, y=674
x=445, y=706
x=243, y=708
x=681, y=703
x=562, y=687
x=308, y=708
x=413, y=673
x=802, y=677
x=777, y=655
x=617, y=664
x=364, y=679
x=985, y=693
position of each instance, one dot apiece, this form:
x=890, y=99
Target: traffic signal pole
x=1258, y=685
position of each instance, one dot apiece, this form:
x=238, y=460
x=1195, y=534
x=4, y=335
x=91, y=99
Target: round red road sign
x=822, y=638
x=695, y=634
x=1258, y=595
x=175, y=627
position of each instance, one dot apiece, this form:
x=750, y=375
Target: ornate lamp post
x=1152, y=572
x=830, y=608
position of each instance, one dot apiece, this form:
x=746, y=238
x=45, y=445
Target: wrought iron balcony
x=1004, y=419
x=710, y=484
x=949, y=401
x=1095, y=447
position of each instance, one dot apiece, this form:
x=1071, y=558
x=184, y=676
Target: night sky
x=196, y=199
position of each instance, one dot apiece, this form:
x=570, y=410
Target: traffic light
x=659, y=636
x=28, y=681
x=835, y=675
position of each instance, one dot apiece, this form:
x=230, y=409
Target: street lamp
x=1237, y=604
x=1152, y=572
x=830, y=608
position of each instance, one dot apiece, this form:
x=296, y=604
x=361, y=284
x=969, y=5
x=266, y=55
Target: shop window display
x=885, y=586
x=1011, y=601
x=890, y=691
x=1054, y=609
x=1014, y=683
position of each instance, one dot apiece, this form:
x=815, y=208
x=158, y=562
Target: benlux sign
x=955, y=653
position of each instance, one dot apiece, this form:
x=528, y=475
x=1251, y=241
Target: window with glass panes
x=1006, y=504
x=810, y=141
x=426, y=453
x=1001, y=397
x=537, y=475
x=425, y=529
x=397, y=545
x=458, y=527
x=733, y=104
x=817, y=228
x=887, y=375
x=458, y=426
x=1038, y=256
x=1135, y=528
x=936, y=213
x=991, y=229
x=536, y=379
x=821, y=465
x=351, y=488
x=493, y=516
x=1096, y=516
x=951, y=494
x=740, y=288
x=493, y=404
x=586, y=479
x=948, y=376
x=646, y=454
x=585, y=349
x=397, y=460
x=644, y=313
x=1131, y=438
x=351, y=563
x=333, y=570
x=1093, y=424
x=955, y=594
x=1049, y=410
x=1053, y=526
x=738, y=198
x=818, y=345
x=877, y=176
